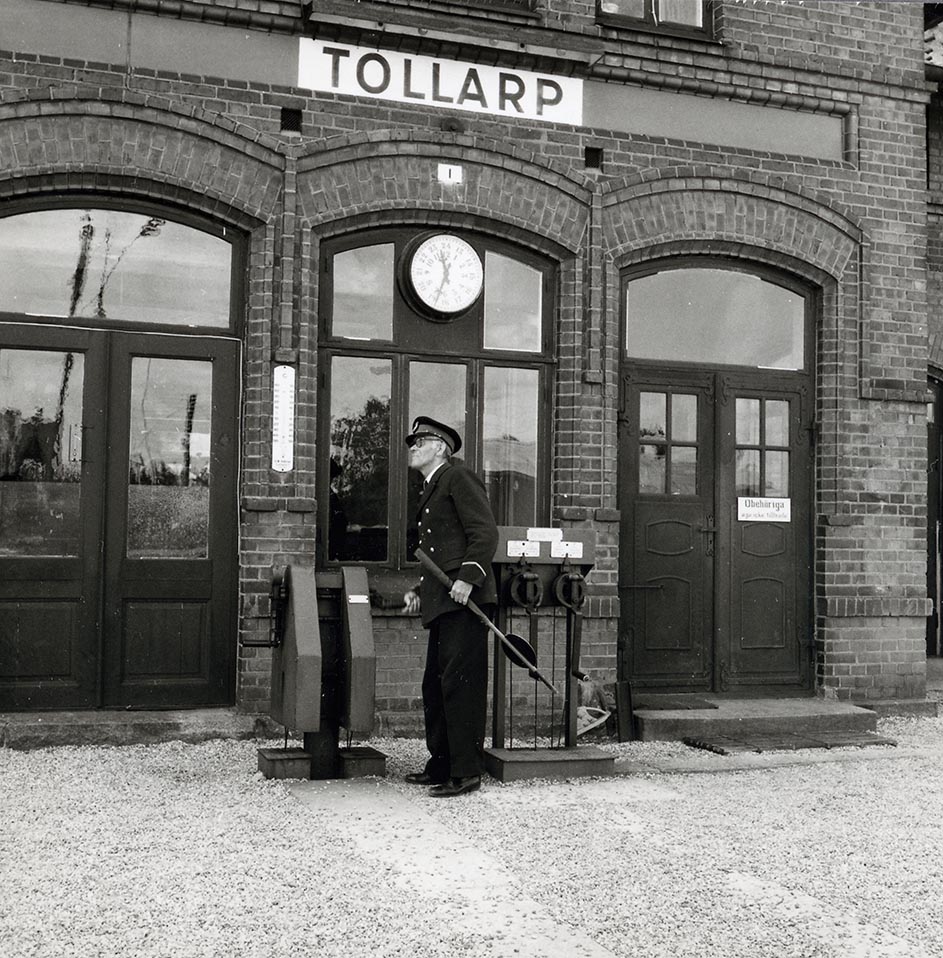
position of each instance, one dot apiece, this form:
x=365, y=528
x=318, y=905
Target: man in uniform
x=458, y=532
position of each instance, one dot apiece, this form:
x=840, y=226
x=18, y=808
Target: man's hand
x=460, y=592
x=411, y=602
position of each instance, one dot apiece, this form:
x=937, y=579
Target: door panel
x=714, y=605
x=117, y=518
x=170, y=546
x=670, y=595
x=763, y=613
x=50, y=479
x=666, y=569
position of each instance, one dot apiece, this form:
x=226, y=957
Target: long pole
x=511, y=651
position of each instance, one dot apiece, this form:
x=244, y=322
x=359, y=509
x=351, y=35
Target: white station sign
x=329, y=67
x=760, y=509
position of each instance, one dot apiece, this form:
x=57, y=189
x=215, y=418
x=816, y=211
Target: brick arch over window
x=757, y=224
x=131, y=146
x=530, y=199
x=124, y=145
x=755, y=215
x=361, y=181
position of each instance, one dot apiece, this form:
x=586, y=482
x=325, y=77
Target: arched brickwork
x=131, y=144
x=352, y=179
x=748, y=214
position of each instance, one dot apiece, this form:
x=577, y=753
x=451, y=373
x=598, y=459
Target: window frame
x=237, y=240
x=398, y=568
x=649, y=23
x=767, y=274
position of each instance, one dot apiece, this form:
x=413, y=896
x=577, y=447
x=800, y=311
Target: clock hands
x=446, y=262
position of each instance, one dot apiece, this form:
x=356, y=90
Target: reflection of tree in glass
x=361, y=445
x=86, y=240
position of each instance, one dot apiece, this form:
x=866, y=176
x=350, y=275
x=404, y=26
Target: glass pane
x=512, y=304
x=684, y=418
x=687, y=12
x=777, y=474
x=714, y=316
x=40, y=451
x=169, y=453
x=363, y=293
x=360, y=453
x=509, y=443
x=107, y=264
x=653, y=415
x=624, y=8
x=683, y=471
x=777, y=422
x=748, y=472
x=651, y=469
x=748, y=422
x=436, y=390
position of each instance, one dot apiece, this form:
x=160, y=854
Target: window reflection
x=714, y=316
x=169, y=458
x=363, y=293
x=748, y=473
x=40, y=451
x=512, y=304
x=96, y=264
x=509, y=440
x=436, y=390
x=361, y=389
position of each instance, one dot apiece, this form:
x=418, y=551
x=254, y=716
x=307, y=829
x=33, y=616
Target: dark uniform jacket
x=458, y=532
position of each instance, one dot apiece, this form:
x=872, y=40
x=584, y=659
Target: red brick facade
x=856, y=229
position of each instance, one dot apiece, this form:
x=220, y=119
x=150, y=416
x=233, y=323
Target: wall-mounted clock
x=445, y=274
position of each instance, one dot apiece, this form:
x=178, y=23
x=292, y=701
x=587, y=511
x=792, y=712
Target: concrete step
x=29, y=730
x=739, y=717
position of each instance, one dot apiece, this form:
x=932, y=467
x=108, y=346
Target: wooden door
x=764, y=549
x=51, y=477
x=170, y=544
x=715, y=498
x=118, y=519
x=667, y=503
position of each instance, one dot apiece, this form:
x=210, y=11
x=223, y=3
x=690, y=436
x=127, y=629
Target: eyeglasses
x=418, y=440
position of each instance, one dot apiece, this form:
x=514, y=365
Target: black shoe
x=423, y=778
x=456, y=786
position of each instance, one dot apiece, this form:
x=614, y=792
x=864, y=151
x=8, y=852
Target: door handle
x=709, y=530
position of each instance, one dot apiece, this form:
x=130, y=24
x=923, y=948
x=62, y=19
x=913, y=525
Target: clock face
x=446, y=274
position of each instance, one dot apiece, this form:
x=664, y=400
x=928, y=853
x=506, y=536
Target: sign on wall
x=763, y=509
x=442, y=84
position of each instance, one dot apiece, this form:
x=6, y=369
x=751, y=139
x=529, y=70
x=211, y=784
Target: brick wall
x=856, y=229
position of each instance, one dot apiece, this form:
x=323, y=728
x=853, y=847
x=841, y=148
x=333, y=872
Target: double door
x=715, y=568
x=118, y=518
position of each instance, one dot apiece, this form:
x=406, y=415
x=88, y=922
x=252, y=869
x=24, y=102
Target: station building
x=662, y=263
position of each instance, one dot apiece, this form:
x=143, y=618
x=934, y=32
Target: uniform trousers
x=455, y=695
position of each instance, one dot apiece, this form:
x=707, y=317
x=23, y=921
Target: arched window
x=93, y=264
x=715, y=314
x=447, y=324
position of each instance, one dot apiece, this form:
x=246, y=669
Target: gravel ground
x=186, y=850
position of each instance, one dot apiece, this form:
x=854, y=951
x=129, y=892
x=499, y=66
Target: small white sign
x=283, y=419
x=545, y=534
x=523, y=547
x=759, y=509
x=358, y=599
x=566, y=550
x=329, y=67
